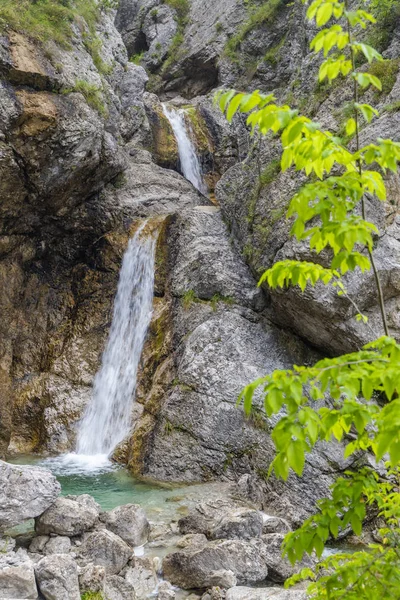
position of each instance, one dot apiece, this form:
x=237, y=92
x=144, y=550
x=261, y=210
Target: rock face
x=201, y=566
x=67, y=517
x=57, y=577
x=25, y=492
x=129, y=522
x=17, y=576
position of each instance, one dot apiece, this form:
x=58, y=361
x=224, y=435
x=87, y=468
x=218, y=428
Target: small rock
x=223, y=579
x=58, y=545
x=67, y=517
x=106, y=549
x=166, y=591
x=192, y=539
x=279, y=568
x=116, y=588
x=129, y=522
x=57, y=577
x=92, y=578
x=275, y=525
x=242, y=524
x=25, y=493
x=17, y=576
x=7, y=544
x=38, y=544
x=142, y=577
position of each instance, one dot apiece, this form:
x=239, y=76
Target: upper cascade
x=189, y=160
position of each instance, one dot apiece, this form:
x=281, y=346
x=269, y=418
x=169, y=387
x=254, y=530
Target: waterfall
x=107, y=419
x=190, y=163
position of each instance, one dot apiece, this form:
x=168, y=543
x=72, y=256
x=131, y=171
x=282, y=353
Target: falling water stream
x=189, y=160
x=108, y=416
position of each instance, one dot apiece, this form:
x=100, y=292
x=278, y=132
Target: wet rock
x=57, y=577
x=141, y=575
x=17, y=576
x=244, y=593
x=116, y=588
x=193, y=567
x=92, y=578
x=68, y=517
x=25, y=492
x=129, y=522
x=106, y=549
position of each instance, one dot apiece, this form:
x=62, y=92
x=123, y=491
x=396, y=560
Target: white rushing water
x=189, y=160
x=107, y=419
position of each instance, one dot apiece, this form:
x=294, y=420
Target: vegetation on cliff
x=51, y=19
x=329, y=213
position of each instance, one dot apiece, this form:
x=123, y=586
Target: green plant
x=219, y=27
x=93, y=95
x=329, y=212
x=136, y=59
x=393, y=107
x=189, y=298
x=92, y=596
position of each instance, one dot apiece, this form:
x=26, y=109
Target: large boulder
x=25, y=492
x=57, y=577
x=223, y=519
x=129, y=522
x=106, y=549
x=196, y=565
x=17, y=576
x=68, y=517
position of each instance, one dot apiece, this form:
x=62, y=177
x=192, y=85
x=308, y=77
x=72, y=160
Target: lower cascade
x=189, y=160
x=107, y=419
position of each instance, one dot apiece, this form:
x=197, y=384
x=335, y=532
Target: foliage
x=363, y=386
x=387, y=14
x=136, y=59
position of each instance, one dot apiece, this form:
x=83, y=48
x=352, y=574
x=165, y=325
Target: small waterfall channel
x=189, y=160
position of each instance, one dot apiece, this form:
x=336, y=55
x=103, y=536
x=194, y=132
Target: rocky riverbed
x=220, y=549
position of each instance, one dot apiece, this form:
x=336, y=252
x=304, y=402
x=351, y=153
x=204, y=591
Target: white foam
x=78, y=464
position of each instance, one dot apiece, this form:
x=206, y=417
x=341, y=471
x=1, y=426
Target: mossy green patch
x=92, y=596
x=387, y=71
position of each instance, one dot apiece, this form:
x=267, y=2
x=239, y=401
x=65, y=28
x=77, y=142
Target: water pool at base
x=112, y=485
